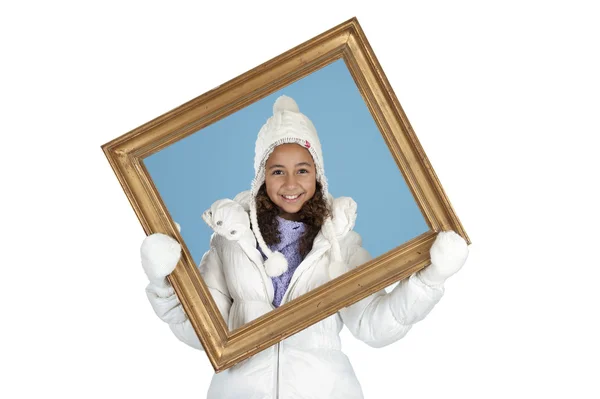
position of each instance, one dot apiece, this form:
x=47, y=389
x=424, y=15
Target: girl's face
x=290, y=177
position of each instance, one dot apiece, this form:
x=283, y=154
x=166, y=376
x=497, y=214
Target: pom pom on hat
x=285, y=103
x=276, y=264
x=286, y=125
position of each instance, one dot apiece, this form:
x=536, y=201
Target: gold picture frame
x=346, y=41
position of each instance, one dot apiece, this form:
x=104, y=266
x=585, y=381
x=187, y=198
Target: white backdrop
x=504, y=97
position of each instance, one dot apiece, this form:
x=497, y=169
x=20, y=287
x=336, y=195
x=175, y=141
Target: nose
x=290, y=181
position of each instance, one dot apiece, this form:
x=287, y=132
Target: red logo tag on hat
x=307, y=145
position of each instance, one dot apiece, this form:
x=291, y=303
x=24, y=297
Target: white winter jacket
x=309, y=364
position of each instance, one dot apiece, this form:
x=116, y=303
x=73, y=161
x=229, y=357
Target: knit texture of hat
x=288, y=125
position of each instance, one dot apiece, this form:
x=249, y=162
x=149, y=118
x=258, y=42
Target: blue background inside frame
x=217, y=162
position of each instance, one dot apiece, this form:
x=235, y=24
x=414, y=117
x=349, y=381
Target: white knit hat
x=288, y=125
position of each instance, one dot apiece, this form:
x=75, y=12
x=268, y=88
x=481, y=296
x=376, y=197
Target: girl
x=281, y=239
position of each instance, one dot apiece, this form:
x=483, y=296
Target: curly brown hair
x=313, y=214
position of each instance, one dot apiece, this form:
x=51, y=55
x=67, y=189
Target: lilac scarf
x=290, y=233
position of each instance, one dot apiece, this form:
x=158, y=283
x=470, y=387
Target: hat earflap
x=276, y=264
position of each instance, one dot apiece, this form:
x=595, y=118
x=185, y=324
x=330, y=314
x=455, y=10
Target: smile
x=291, y=198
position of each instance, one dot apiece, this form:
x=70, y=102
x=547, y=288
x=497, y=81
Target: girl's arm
x=383, y=318
x=162, y=296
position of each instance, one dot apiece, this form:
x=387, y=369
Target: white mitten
x=448, y=253
x=160, y=254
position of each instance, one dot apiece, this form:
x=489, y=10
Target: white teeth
x=291, y=197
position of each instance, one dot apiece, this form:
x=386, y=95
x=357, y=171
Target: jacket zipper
x=276, y=384
x=290, y=288
x=308, y=257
